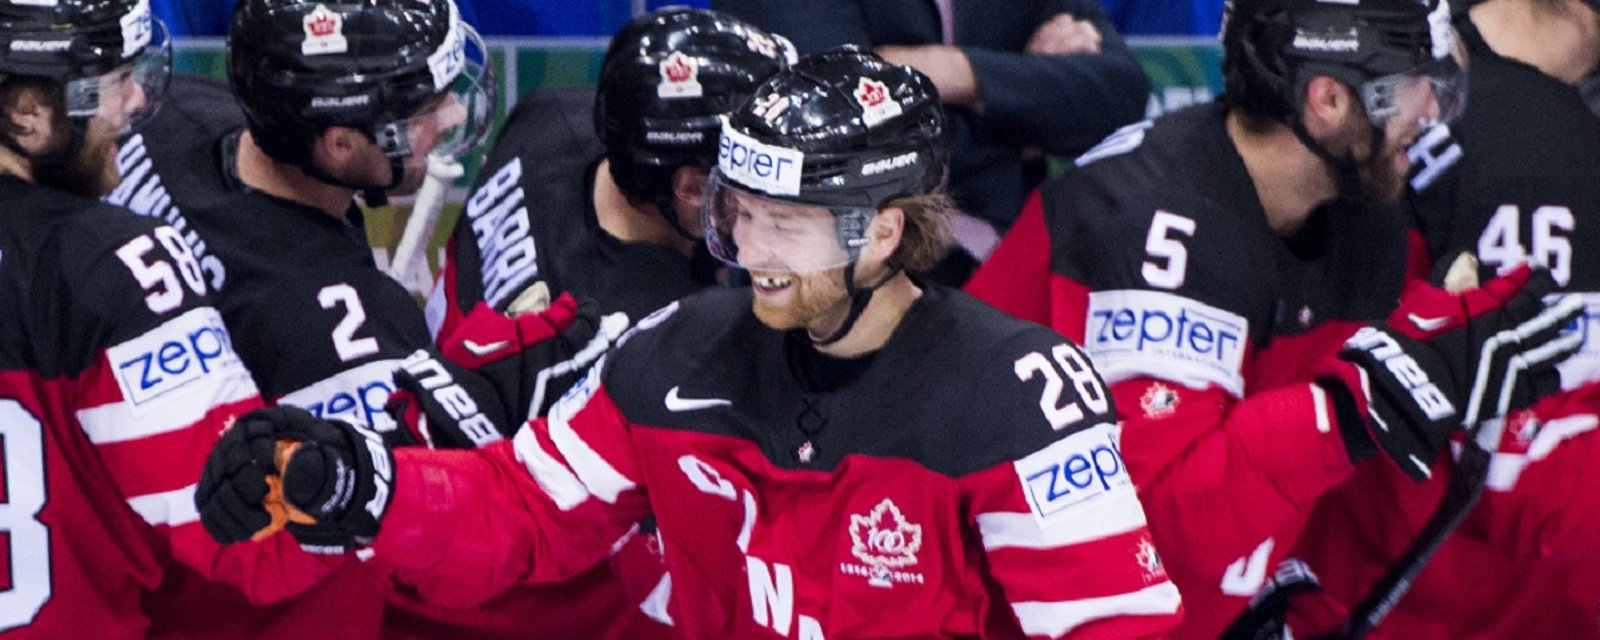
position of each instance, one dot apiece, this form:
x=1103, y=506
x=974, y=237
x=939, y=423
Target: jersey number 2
x=1060, y=412
x=28, y=539
x=345, y=341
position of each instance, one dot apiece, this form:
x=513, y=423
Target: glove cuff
x=1352, y=421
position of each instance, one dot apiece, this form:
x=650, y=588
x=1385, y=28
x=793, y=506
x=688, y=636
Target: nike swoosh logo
x=482, y=350
x=1427, y=324
x=678, y=404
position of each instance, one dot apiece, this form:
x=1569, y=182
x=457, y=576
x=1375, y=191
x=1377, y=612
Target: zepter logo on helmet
x=667, y=79
x=805, y=165
x=1402, y=56
x=409, y=73
x=111, y=56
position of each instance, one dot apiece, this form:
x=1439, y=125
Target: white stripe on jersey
x=1054, y=619
x=1506, y=468
x=1101, y=520
x=598, y=476
x=558, y=483
x=172, y=508
x=170, y=377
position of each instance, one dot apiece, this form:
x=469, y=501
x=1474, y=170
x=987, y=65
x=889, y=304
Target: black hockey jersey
x=965, y=484
x=314, y=319
x=1511, y=187
x=116, y=377
x=530, y=218
x=190, y=165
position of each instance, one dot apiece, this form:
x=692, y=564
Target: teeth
x=773, y=282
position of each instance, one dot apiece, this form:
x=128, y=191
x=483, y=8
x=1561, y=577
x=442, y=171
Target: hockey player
x=1212, y=260
x=117, y=374
x=802, y=489
x=1517, y=178
x=597, y=193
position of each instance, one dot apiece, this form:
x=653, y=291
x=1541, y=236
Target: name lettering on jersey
x=1065, y=479
x=437, y=381
x=354, y=395
x=885, y=542
x=1433, y=154
x=890, y=164
x=141, y=191
x=752, y=163
x=184, y=350
x=1387, y=350
x=1137, y=333
x=500, y=226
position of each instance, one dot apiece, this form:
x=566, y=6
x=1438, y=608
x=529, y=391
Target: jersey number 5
x=1161, y=244
x=1067, y=360
x=27, y=549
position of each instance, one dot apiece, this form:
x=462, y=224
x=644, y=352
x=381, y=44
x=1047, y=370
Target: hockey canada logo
x=324, y=33
x=1150, y=561
x=1159, y=401
x=876, y=106
x=884, y=541
x=679, y=77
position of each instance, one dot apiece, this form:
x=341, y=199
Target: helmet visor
x=1433, y=93
x=457, y=123
x=756, y=232
x=130, y=94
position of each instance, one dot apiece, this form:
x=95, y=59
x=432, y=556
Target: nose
x=134, y=97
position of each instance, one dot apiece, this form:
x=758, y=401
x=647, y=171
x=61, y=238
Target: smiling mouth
x=772, y=283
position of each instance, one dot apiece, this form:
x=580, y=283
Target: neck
x=259, y=171
x=878, y=321
x=1561, y=39
x=1289, y=179
x=632, y=222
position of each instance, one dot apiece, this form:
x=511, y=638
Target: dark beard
x=88, y=172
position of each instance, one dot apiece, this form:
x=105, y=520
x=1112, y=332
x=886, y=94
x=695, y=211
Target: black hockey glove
x=1448, y=362
x=233, y=490
x=447, y=406
x=327, y=482
x=506, y=369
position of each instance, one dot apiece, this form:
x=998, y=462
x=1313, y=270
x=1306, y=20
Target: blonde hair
x=926, y=236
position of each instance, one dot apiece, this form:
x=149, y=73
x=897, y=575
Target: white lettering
x=771, y=594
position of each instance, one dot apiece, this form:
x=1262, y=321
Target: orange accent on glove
x=279, y=509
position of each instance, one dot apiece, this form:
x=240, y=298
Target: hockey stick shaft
x=410, y=263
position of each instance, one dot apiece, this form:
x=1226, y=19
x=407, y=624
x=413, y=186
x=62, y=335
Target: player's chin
x=775, y=316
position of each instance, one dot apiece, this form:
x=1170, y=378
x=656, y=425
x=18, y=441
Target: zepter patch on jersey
x=1081, y=481
x=185, y=350
x=1583, y=366
x=680, y=78
x=1136, y=333
x=354, y=395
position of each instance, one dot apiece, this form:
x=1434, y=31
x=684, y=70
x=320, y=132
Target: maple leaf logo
x=678, y=68
x=871, y=93
x=883, y=538
x=321, y=23
x=1150, y=561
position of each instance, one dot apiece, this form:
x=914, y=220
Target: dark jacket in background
x=1062, y=104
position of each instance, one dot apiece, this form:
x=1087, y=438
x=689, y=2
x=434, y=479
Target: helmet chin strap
x=1346, y=170
x=859, y=297
x=375, y=196
x=667, y=207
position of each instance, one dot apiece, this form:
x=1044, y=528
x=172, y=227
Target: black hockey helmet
x=80, y=43
x=1390, y=51
x=834, y=138
x=667, y=79
x=384, y=67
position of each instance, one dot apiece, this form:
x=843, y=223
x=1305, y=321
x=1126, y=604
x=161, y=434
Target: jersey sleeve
x=1016, y=277
x=546, y=505
x=1060, y=522
x=155, y=400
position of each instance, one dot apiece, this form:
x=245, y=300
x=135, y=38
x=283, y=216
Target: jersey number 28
x=1068, y=362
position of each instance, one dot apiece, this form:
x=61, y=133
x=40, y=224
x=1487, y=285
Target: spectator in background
x=1015, y=77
